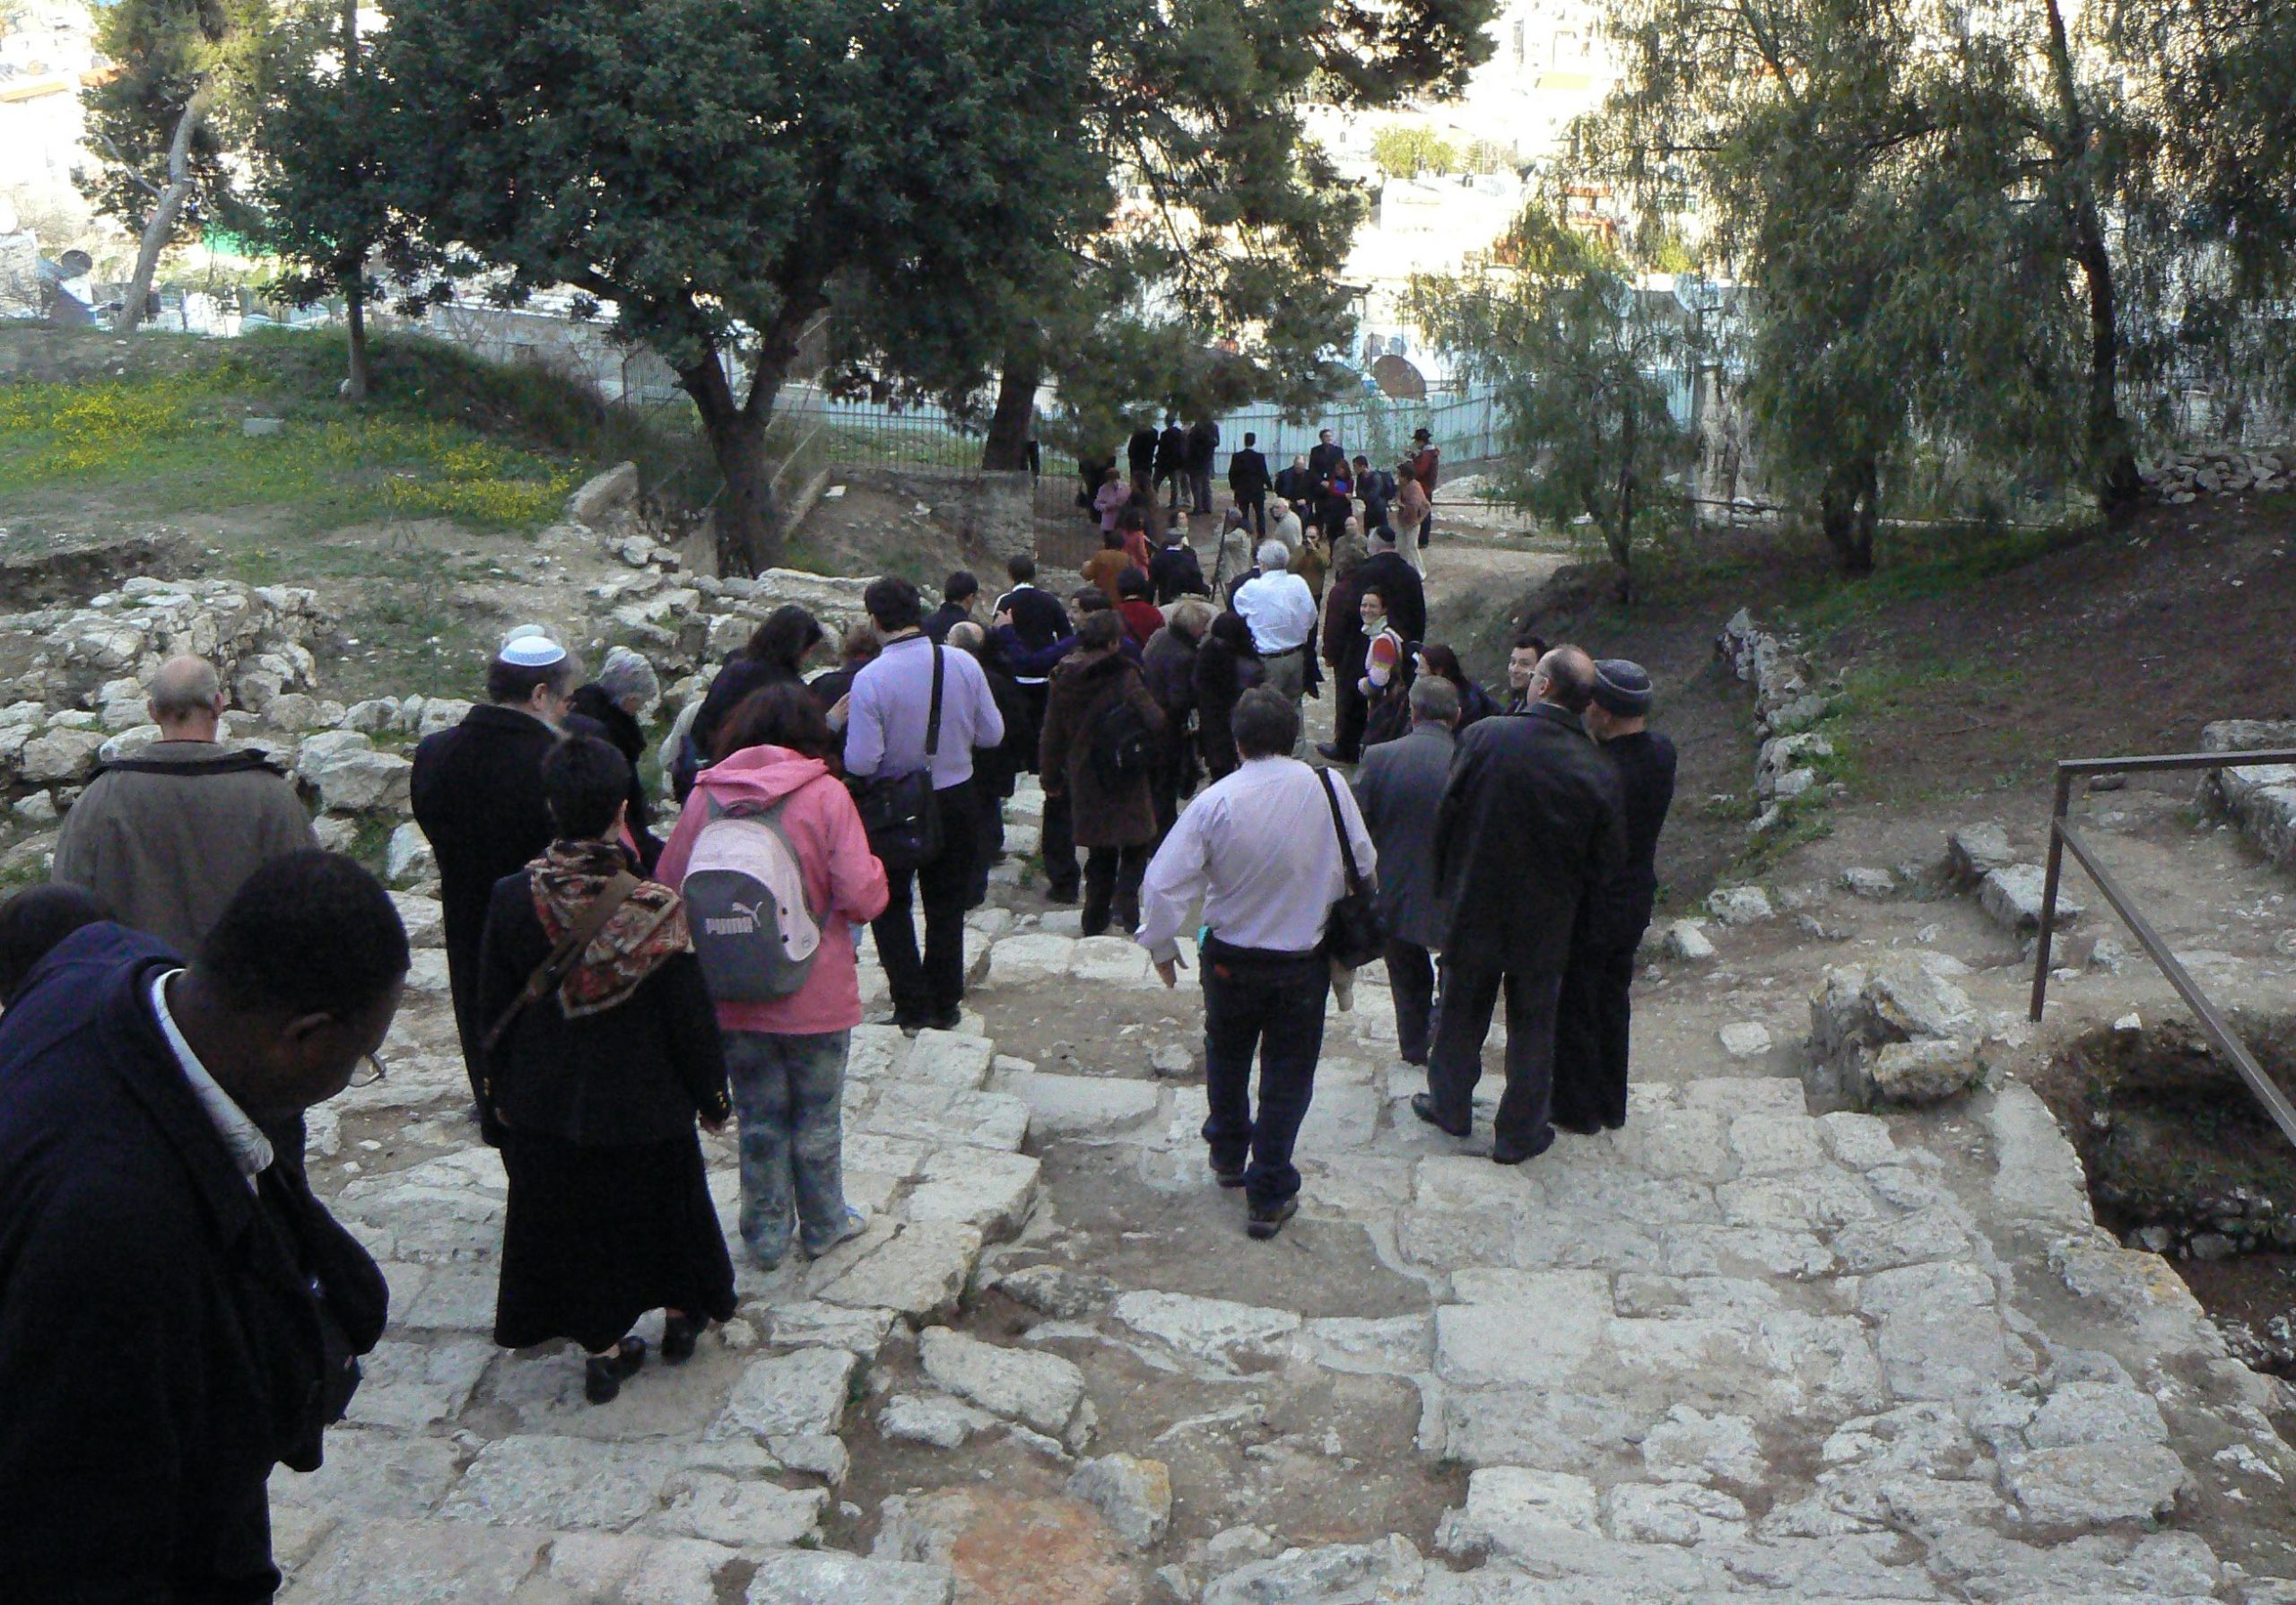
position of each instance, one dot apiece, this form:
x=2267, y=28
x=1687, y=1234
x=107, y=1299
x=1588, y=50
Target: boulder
x=1925, y=1072
x=441, y=714
x=2010, y=896
x=60, y=755
x=423, y=916
x=1869, y=883
x=1041, y=1391
x=1974, y=851
x=1687, y=940
x=408, y=856
x=1860, y=1018
x=371, y=717
x=1135, y=1496
x=1739, y=906
x=351, y=777
x=605, y=496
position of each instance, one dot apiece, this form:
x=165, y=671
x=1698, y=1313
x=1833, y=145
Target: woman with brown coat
x=1099, y=750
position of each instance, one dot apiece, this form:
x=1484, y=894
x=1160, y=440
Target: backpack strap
x=551, y=973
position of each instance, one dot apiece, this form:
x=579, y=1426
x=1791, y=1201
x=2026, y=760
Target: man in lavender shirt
x=885, y=735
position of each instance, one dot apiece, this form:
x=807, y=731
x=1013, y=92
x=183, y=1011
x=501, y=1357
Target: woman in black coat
x=596, y=1085
x=611, y=705
x=777, y=652
x=1227, y=666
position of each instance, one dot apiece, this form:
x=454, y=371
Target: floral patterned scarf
x=648, y=927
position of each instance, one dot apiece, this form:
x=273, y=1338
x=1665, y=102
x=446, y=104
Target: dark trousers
x=1411, y=980
x=1199, y=489
x=1271, y=1004
x=1254, y=505
x=936, y=984
x=1056, y=842
x=1112, y=876
x=1591, y=1027
x=1470, y=993
x=1349, y=713
x=989, y=840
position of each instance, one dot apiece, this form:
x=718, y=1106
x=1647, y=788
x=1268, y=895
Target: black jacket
x=1531, y=822
x=1400, y=584
x=477, y=795
x=1037, y=617
x=1247, y=473
x=1324, y=461
x=611, y=723
x=1203, y=444
x=1295, y=484
x=636, y=1073
x=1175, y=571
x=1171, y=451
x=1140, y=451
x=161, y=1346
x=742, y=674
x=944, y=618
x=1621, y=911
x=1398, y=787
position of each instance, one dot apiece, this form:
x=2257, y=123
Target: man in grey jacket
x=168, y=835
x=1399, y=788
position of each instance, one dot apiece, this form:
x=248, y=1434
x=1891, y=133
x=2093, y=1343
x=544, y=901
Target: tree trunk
x=161, y=223
x=2113, y=456
x=1848, y=508
x=1013, y=422
x=354, y=312
x=1623, y=538
x=749, y=539
x=354, y=278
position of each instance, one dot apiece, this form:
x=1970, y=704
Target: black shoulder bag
x=1352, y=933
x=899, y=812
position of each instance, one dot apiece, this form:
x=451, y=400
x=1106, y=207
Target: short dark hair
x=1379, y=591
x=1112, y=540
x=584, y=780
x=1132, y=518
x=962, y=586
x=1021, y=567
x=1265, y=723
x=307, y=933
x=1099, y=631
x=516, y=682
x=788, y=634
x=1091, y=598
x=1249, y=437
x=34, y=920
x=1132, y=582
x=1527, y=643
x=1363, y=461
x=783, y=715
x=894, y=602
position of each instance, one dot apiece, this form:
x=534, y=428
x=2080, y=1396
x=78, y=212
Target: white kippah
x=528, y=647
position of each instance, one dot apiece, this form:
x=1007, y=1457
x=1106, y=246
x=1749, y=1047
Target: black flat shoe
x=678, y=1335
x=1266, y=1220
x=602, y=1374
x=1423, y=1105
x=1578, y=1128
x=1499, y=1155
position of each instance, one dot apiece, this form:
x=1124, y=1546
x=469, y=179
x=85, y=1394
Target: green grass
x=444, y=435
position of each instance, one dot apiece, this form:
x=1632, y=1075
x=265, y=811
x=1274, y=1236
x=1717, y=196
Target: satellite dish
x=1398, y=379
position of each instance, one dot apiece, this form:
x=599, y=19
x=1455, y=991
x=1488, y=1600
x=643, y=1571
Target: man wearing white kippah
x=477, y=794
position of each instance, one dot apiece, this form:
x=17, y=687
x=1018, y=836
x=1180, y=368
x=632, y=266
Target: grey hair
x=1275, y=555
x=625, y=675
x=1434, y=701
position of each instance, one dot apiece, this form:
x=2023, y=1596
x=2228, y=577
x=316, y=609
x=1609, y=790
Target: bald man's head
x=186, y=700
x=1566, y=677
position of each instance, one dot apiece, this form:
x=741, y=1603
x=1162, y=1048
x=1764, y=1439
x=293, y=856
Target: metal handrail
x=2062, y=837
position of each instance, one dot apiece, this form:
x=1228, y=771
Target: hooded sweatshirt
x=841, y=875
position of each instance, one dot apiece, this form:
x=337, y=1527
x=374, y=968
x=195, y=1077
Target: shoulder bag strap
x=1339, y=829
x=553, y=971
x=933, y=719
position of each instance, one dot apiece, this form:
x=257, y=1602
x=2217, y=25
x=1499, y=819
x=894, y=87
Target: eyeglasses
x=371, y=1071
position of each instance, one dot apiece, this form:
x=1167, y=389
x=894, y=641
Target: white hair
x=1275, y=555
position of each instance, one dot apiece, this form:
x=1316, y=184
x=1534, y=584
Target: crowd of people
x=200, y=974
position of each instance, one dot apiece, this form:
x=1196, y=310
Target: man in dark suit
x=1327, y=458
x=1247, y=482
x=477, y=795
x=1171, y=456
x=1596, y=1013
x=1406, y=597
x=957, y=597
x=1202, y=448
x=1399, y=789
x=1140, y=457
x=178, y=1312
x=1532, y=822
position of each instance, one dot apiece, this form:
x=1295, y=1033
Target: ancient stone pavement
x=1735, y=1351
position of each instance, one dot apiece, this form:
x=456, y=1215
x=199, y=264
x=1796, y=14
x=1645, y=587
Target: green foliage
x=166, y=51
x=1401, y=151
x=321, y=187
x=1577, y=354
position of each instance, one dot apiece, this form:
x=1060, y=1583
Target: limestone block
x=441, y=714
x=1060, y=1293
x=605, y=495
x=1974, y=851
x=370, y=1475
x=991, y=1190
x=947, y=1059
x=410, y=1385
x=1133, y=1494
x=1686, y=939
x=1080, y=1105
x=292, y=711
x=1745, y=1039
x=825, y=1577
x=931, y=1418
x=1739, y=906
x=126, y=744
x=1390, y=1568
x=1211, y=1329
x=812, y=1324
x=1920, y=1073
x=418, y=1563
x=2011, y=895
x=2093, y=1484
x=408, y=855
x=919, y=1272
x=801, y=1391
x=423, y=916
x=1860, y=1141
x=1039, y=1390
x=1770, y=1143
x=2038, y=1176
x=1019, y=961
x=538, y=1480
x=371, y=717
x=1689, y=1143
x=1391, y=1346
x=1117, y=961
x=1480, y=1344
x=1898, y=1000
x=1691, y=1447
x=726, y=1509
x=2096, y=1412
x=1673, y=1513
x=1871, y=884
x=1511, y=1509
x=60, y=754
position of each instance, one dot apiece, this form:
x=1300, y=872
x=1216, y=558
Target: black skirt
x=594, y=1237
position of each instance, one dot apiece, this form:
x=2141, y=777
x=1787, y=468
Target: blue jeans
x=1271, y=1004
x=788, y=1091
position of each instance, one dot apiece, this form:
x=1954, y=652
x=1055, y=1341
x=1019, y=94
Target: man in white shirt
x=1261, y=848
x=1281, y=612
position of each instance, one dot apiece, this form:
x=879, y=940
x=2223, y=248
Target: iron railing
x=2062, y=839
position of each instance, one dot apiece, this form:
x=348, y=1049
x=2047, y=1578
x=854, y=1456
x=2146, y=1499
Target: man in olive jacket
x=1531, y=822
x=167, y=835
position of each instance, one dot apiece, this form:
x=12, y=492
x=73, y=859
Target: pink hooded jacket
x=841, y=874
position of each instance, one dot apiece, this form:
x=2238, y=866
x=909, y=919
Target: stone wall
x=995, y=507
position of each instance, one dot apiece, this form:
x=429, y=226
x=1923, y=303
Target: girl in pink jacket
x=776, y=870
